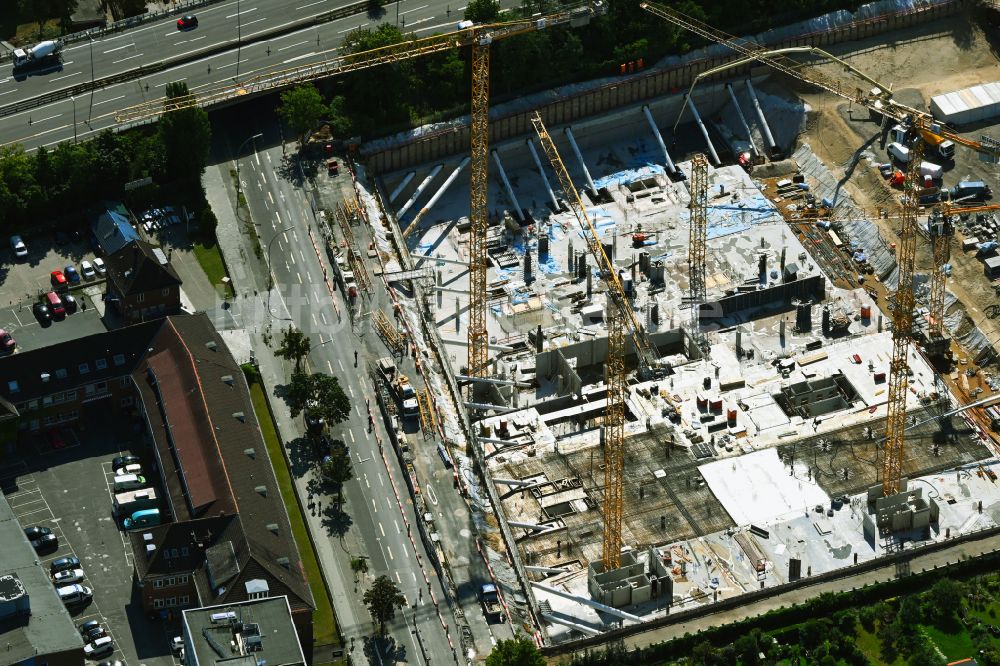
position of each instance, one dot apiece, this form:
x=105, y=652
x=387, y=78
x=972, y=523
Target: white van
x=935, y=171
x=898, y=152
x=74, y=594
x=129, y=482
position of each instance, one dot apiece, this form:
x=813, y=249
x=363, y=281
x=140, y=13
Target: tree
x=517, y=651
x=185, y=135
x=295, y=346
x=40, y=11
x=482, y=11
x=337, y=469
x=382, y=599
x=302, y=108
x=322, y=394
x=341, y=125
x=944, y=600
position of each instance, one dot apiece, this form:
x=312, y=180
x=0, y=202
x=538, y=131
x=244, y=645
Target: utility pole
x=239, y=42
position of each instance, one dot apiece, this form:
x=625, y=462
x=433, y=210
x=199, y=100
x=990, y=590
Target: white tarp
x=758, y=488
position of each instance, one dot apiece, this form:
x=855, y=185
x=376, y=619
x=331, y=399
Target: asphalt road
x=81, y=117
x=377, y=515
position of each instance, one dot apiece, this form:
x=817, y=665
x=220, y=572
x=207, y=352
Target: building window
x=126, y=402
x=124, y=382
x=165, y=292
x=158, y=583
x=32, y=404
x=157, y=603
x=70, y=396
x=140, y=298
x=182, y=579
x=49, y=420
x=71, y=415
x=171, y=582
x=13, y=387
x=47, y=400
x=184, y=600
x=184, y=553
x=101, y=364
x=34, y=424
x=102, y=387
x=84, y=368
x=119, y=359
x=174, y=552
x=88, y=389
x=61, y=373
x=172, y=601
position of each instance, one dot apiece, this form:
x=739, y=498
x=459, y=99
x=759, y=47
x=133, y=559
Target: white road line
x=434, y=27
x=311, y=4
x=105, y=101
x=7, y=92
x=60, y=78
x=245, y=11
x=415, y=9
x=278, y=218
x=303, y=255
x=49, y=118
x=351, y=433
x=360, y=25
x=231, y=64
x=341, y=364
x=358, y=407
x=414, y=574
x=299, y=276
x=322, y=315
x=254, y=21
x=119, y=48
x=397, y=574
x=349, y=387
x=389, y=550
x=329, y=365
x=369, y=486
x=381, y=478
x=290, y=46
x=268, y=156
x=131, y=57
x=419, y=21
x=373, y=506
x=388, y=503
x=270, y=197
x=313, y=317
x=299, y=57
x=285, y=234
x=399, y=530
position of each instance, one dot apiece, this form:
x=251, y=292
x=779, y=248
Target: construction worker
x=355, y=358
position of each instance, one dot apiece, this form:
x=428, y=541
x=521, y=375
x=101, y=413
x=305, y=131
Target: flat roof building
x=35, y=626
x=259, y=631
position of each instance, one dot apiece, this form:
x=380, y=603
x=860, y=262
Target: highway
x=81, y=117
x=376, y=503
x=159, y=41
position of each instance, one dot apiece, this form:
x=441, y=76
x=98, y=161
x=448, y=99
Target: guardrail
x=126, y=24
x=154, y=68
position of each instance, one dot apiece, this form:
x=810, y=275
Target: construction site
x=721, y=341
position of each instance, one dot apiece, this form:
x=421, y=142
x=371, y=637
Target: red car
x=187, y=22
x=56, y=440
x=58, y=279
x=6, y=341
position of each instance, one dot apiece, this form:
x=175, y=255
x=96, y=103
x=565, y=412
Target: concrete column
x=771, y=145
x=420, y=189
x=402, y=186
x=441, y=190
x=704, y=130
x=458, y=319
x=506, y=185
x=739, y=112
x=659, y=139
x=579, y=157
x=440, y=293
x=541, y=172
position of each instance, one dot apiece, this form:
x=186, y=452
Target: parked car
x=69, y=303
x=58, y=279
x=41, y=538
x=20, y=249
x=42, y=314
x=176, y=645
x=187, y=22
x=71, y=274
x=68, y=562
x=67, y=576
x=121, y=461
x=86, y=627
x=6, y=341
x=88, y=270
x=99, y=266
x=132, y=468
x=94, y=634
x=99, y=648
x=56, y=439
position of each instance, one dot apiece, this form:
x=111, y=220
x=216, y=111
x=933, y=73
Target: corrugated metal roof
x=974, y=103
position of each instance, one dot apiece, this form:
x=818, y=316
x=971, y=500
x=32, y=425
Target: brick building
x=141, y=283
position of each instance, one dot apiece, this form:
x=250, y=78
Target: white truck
x=42, y=53
x=400, y=385
x=944, y=148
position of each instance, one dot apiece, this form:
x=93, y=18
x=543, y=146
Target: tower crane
x=620, y=316
x=698, y=239
x=479, y=37
x=878, y=100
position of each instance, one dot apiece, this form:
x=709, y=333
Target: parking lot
x=22, y=282
x=53, y=484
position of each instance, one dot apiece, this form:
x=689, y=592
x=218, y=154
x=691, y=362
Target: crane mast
x=619, y=312
x=902, y=328
x=698, y=239
x=478, y=357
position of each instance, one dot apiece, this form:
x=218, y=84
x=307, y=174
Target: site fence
x=632, y=89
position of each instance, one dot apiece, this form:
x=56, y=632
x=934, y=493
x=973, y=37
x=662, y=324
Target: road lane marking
x=373, y=505
x=415, y=9
x=291, y=46
x=49, y=118
x=245, y=11
x=105, y=101
x=329, y=365
x=399, y=530
x=313, y=317
x=292, y=257
x=119, y=48
x=351, y=433
x=322, y=316
x=277, y=216
x=299, y=57
x=359, y=26
x=382, y=481
x=303, y=255
x=389, y=550
x=349, y=387
x=380, y=528
x=433, y=27
x=60, y=78
x=283, y=234
x=254, y=21
x=311, y=4
x=397, y=574
x=137, y=55
x=299, y=276
x=231, y=64
x=358, y=407
x=341, y=364
x=271, y=198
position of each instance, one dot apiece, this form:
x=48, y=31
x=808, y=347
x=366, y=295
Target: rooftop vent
x=228, y=379
x=262, y=490
x=46, y=377
x=160, y=257
x=225, y=617
x=250, y=453
x=283, y=561
x=211, y=345
x=273, y=527
x=240, y=416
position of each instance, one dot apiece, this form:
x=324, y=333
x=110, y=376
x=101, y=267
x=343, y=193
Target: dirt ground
x=918, y=63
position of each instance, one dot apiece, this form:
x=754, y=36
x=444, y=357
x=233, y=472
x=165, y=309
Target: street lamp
x=74, y=117
x=239, y=151
x=270, y=273
x=239, y=42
